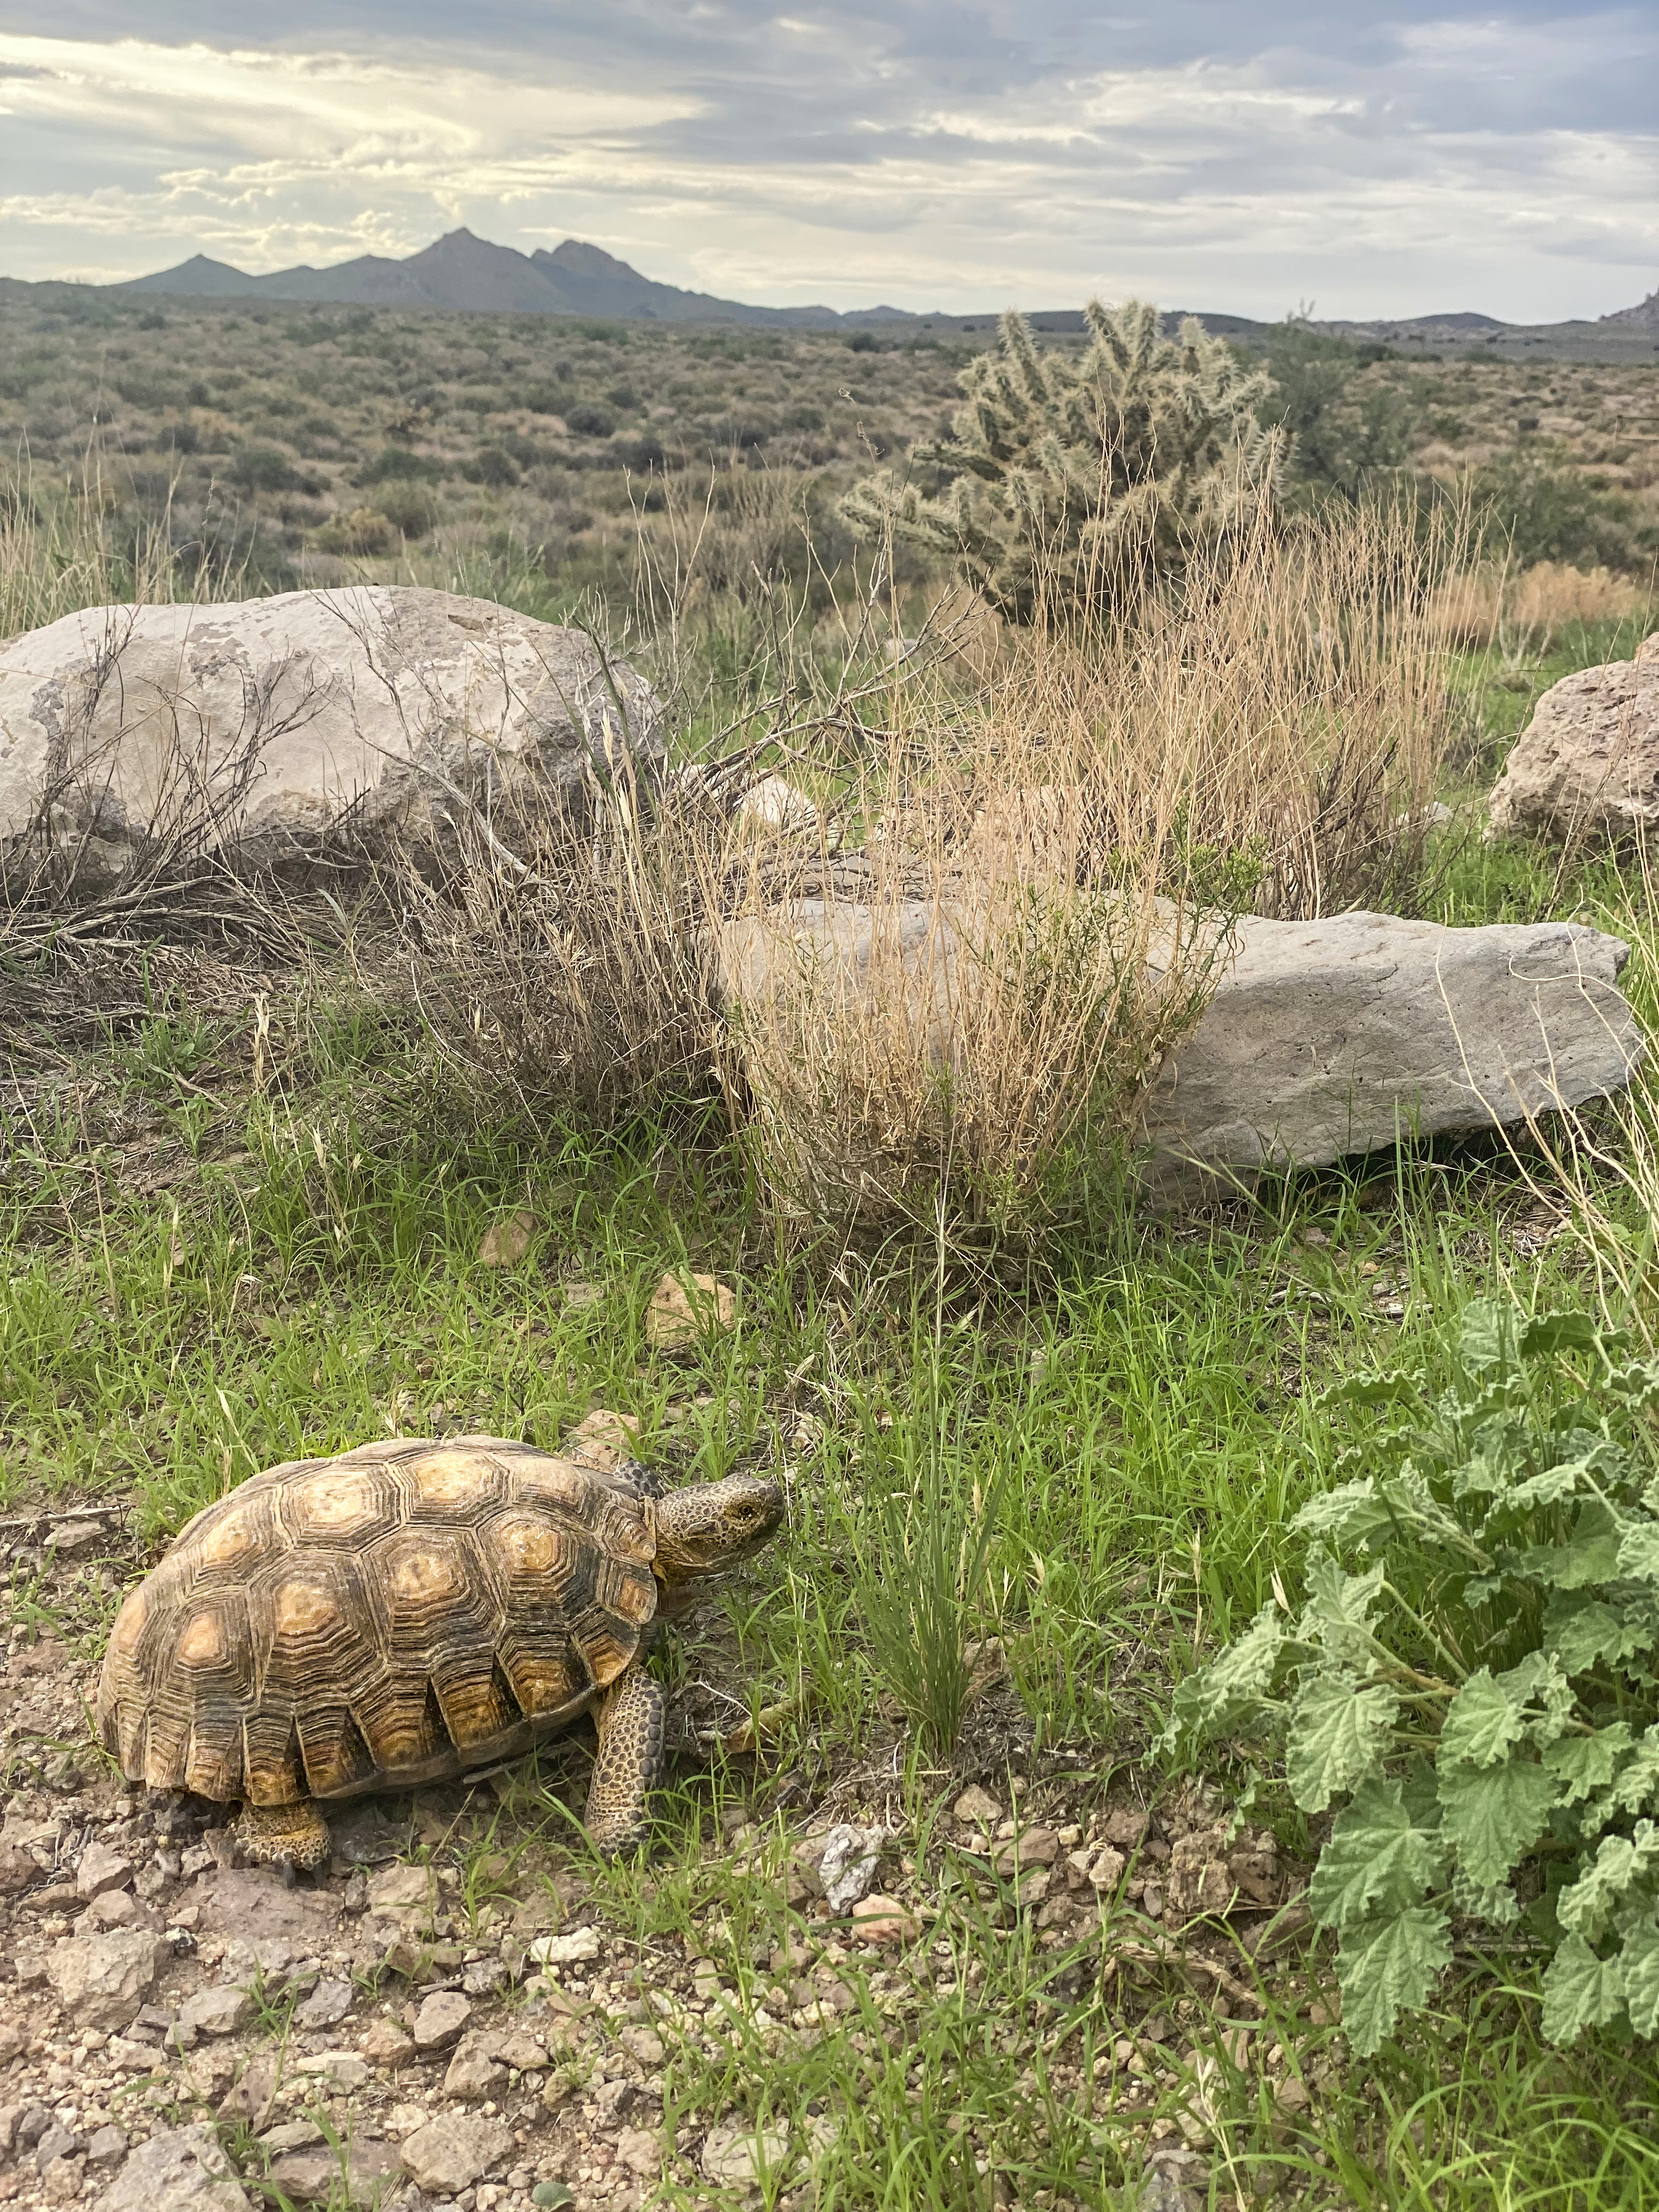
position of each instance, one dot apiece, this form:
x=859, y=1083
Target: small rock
x=177, y=2170
x=506, y=1242
x=219, y=2010
x=107, y=2148
x=343, y=2068
x=1124, y=1827
x=292, y=2135
x=1032, y=1847
x=311, y=2176
x=18, y=1871
x=386, y=2043
x=474, y=2071
x=740, y=2156
x=1101, y=1869
x=440, y=2020
x=250, y=2097
x=565, y=1950
x=976, y=1807
x=638, y=2150
x=403, y=1889
x=102, y=1980
x=847, y=1868
x=643, y=2043
x=61, y=2183
x=882, y=1920
x=57, y=2141
x=449, y=2154
x=678, y=1314
x=101, y=1869
x=603, y=1440
x=327, y=2005
x=114, y=1908
x=520, y=2050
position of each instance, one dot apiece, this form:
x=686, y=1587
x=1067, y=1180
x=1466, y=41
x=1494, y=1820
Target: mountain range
x=464, y=273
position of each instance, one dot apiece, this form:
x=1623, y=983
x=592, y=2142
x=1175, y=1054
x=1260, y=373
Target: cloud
x=939, y=152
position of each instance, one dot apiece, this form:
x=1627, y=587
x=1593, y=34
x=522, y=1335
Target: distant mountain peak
x=1644, y=314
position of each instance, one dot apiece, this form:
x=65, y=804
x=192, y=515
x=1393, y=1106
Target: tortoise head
x=710, y=1526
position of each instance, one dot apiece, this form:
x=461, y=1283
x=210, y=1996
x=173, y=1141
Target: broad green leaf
x=1389, y=1966
x=1580, y=1630
x=1481, y=1723
x=1620, y=1865
x=1584, y=1763
x=1486, y=1338
x=1565, y=1332
x=1220, y=1697
x=1379, y=1858
x=1339, y=1731
x=1371, y=1390
x=1498, y=1905
x=1638, y=1961
x=1580, y=1991
x=1638, y=1552
x=1339, y=1610
x=1636, y=1785
x=1538, y=1684
x=1591, y=1556
x=1494, y=1815
x=1599, y=1466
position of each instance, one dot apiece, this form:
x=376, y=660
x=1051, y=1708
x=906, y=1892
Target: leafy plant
x=1069, y=479
x=1471, y=1676
x=1348, y=431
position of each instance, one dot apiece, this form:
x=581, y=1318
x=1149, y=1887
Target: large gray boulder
x=1322, y=1038
x=1326, y=1038
x=1587, y=762
x=374, y=715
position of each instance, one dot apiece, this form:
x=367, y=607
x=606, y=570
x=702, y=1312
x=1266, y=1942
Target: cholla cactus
x=1068, y=478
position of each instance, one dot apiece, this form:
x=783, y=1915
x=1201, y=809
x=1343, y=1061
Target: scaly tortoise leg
x=267, y=1834
x=631, y=1719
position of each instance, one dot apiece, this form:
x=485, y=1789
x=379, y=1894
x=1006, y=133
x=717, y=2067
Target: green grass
x=202, y=1281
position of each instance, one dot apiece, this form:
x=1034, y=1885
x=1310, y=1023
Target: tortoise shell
x=377, y=1621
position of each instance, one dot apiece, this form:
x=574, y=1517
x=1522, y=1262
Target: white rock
x=102, y=1980
x=382, y=700
x=101, y=1869
x=565, y=1950
x=344, y=2069
x=441, y=2020
x=1588, y=762
x=847, y=1868
x=177, y=2170
x=218, y=2009
x=449, y=2154
x=739, y=2155
x=403, y=1889
x=774, y=804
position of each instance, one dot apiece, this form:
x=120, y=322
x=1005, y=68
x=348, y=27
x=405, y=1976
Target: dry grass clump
x=62, y=548
x=1526, y=608
x=954, y=1030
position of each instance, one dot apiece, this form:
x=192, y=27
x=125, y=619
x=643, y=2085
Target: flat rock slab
x=266, y=726
x=367, y=2167
x=449, y=2154
x=1587, y=764
x=1326, y=1038
x=251, y=1904
x=177, y=2170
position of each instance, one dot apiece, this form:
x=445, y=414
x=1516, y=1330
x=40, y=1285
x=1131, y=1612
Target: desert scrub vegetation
x=418, y=1166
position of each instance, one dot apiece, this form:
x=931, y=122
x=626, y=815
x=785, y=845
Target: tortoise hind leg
x=296, y=1833
x=631, y=1720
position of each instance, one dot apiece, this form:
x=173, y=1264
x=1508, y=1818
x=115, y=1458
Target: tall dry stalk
x=1524, y=611
x=63, y=546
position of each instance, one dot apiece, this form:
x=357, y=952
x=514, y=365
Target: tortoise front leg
x=631, y=1720
x=269, y=1834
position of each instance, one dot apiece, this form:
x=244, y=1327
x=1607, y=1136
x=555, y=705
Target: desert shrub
x=1070, y=481
x=586, y=421
x=364, y=531
x=494, y=466
x=398, y=464
x=1471, y=1677
x=409, y=507
x=1346, y=432
x=262, y=468
x=1545, y=510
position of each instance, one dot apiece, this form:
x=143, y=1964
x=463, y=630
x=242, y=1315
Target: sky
x=1256, y=156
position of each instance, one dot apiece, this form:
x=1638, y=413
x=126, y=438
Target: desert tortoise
x=404, y=1611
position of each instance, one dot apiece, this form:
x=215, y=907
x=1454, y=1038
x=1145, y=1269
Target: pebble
x=449, y=2154
x=566, y=1949
x=976, y=1807
x=327, y=2005
x=883, y=1920
x=738, y=2156
x=101, y=1869
x=440, y=2020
